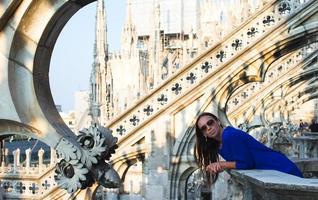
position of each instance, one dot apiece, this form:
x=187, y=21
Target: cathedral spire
x=101, y=47
x=128, y=36
x=101, y=83
x=128, y=12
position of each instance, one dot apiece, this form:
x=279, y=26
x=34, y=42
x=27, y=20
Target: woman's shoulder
x=231, y=132
x=228, y=132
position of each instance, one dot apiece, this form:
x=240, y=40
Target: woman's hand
x=214, y=168
x=220, y=166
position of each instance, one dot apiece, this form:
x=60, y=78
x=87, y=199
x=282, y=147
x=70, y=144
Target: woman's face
x=210, y=127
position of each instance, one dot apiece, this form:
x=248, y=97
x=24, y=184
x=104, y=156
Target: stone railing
x=26, y=180
x=272, y=185
x=21, y=186
x=308, y=166
x=264, y=185
x=26, y=168
x=265, y=21
x=306, y=145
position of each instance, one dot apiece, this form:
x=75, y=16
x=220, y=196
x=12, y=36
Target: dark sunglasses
x=209, y=123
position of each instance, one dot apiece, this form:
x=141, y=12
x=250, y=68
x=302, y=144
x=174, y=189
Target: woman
x=239, y=149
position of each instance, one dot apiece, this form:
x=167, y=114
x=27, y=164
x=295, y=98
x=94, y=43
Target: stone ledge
x=270, y=185
x=271, y=179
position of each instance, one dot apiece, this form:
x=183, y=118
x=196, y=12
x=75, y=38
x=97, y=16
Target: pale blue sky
x=72, y=56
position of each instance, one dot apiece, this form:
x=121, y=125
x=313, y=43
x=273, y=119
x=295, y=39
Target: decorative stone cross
x=236, y=44
x=20, y=187
x=284, y=8
x=268, y=20
x=235, y=101
x=121, y=130
x=205, y=67
x=148, y=110
x=46, y=185
x=191, y=78
x=134, y=120
x=251, y=32
x=244, y=95
x=33, y=188
x=162, y=99
x=176, y=88
x=221, y=55
x=7, y=186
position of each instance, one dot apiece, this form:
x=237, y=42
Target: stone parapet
x=272, y=185
x=308, y=166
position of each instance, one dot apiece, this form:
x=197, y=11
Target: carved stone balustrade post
x=302, y=149
x=53, y=157
x=16, y=160
x=40, y=155
x=5, y=158
x=28, y=153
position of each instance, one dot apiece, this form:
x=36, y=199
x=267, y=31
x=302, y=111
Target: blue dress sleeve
x=236, y=149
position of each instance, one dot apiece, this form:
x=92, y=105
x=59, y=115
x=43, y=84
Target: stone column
x=156, y=165
x=316, y=149
x=16, y=160
x=28, y=153
x=53, y=158
x=40, y=155
x=302, y=149
x=5, y=157
x=4, y=160
x=305, y=147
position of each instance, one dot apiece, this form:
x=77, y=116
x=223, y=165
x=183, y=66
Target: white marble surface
x=272, y=178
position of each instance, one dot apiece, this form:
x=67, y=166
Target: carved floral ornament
x=79, y=168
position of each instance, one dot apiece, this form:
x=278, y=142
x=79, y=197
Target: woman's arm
x=217, y=167
x=228, y=164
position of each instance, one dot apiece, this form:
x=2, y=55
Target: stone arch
x=9, y=127
x=122, y=167
x=290, y=83
x=125, y=167
x=182, y=186
x=124, y=161
x=256, y=66
x=183, y=167
x=30, y=54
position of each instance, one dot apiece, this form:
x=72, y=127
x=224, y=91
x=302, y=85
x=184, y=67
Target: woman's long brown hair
x=206, y=150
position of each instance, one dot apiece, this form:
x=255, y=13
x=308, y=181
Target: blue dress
x=248, y=153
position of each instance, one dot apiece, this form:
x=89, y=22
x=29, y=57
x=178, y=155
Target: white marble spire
x=101, y=82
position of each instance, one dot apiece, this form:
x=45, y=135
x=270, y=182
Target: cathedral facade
x=153, y=50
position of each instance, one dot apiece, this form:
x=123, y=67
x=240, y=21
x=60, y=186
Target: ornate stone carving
x=81, y=170
x=69, y=175
x=109, y=178
x=66, y=150
x=93, y=143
